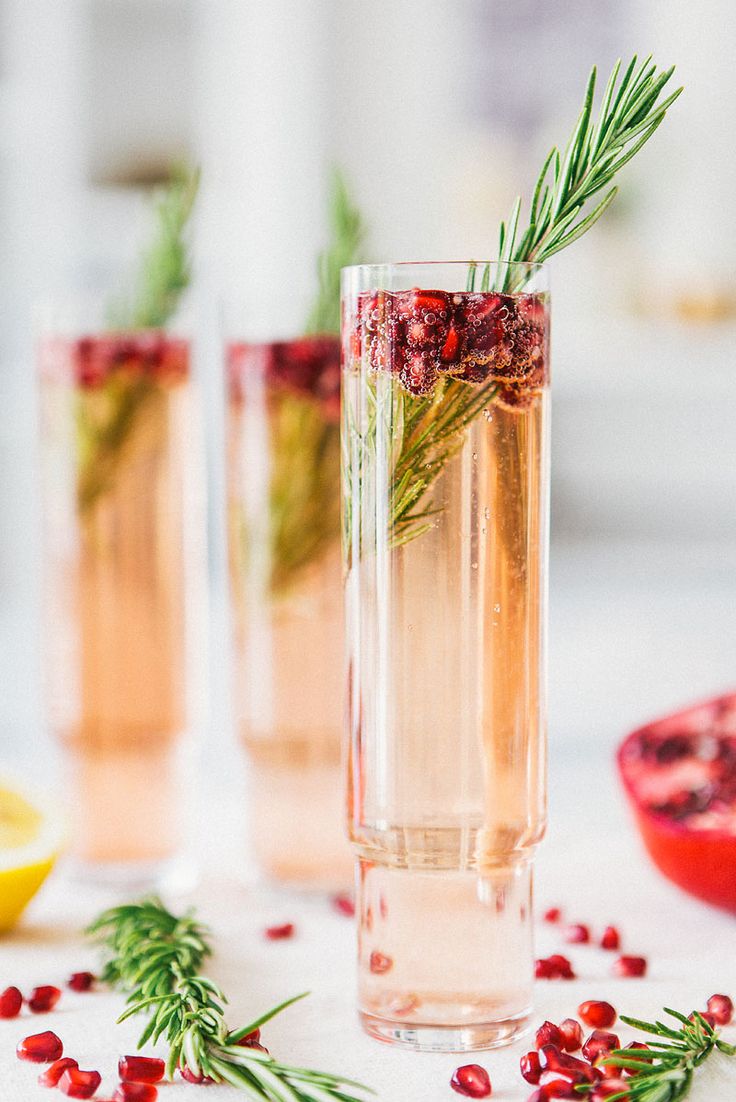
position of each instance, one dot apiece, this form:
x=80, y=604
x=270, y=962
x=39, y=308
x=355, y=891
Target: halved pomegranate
x=680, y=776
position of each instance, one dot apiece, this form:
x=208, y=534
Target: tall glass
x=283, y=472
x=120, y=557
x=445, y=516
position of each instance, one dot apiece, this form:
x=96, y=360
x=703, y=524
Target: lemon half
x=30, y=840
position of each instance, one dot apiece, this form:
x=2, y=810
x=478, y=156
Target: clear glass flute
x=445, y=395
x=283, y=477
x=121, y=558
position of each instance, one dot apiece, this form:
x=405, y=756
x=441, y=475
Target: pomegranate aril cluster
x=422, y=335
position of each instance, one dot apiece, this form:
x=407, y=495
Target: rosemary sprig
x=108, y=414
x=155, y=957
x=664, y=1071
x=559, y=213
x=347, y=237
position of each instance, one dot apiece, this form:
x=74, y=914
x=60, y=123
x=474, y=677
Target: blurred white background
x=439, y=111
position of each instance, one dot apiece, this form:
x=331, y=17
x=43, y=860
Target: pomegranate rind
x=702, y=861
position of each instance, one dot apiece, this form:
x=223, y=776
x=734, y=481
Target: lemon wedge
x=30, y=840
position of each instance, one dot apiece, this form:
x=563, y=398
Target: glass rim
x=526, y=265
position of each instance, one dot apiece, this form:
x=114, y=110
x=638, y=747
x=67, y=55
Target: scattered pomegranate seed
x=610, y=938
x=380, y=963
x=250, y=1039
x=11, y=1001
x=52, y=1075
x=706, y=1016
x=141, y=1069
x=569, y=1067
x=548, y=1034
x=136, y=1092
x=571, y=1033
x=553, y=914
x=192, y=1077
x=720, y=1006
x=43, y=999
x=80, y=981
x=471, y=1080
x=555, y=967
x=40, y=1048
x=599, y=1043
x=558, y=1088
x=598, y=1015
x=279, y=933
x=608, y=1088
x=344, y=905
x=630, y=966
x=530, y=1067
x=79, y=1084
x=577, y=934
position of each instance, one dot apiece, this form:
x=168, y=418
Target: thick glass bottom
x=434, y=1038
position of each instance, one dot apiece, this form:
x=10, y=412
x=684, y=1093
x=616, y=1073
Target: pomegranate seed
x=79, y=1084
x=577, y=934
x=530, y=1067
x=562, y=966
x=543, y=970
x=706, y=1016
x=577, y=1071
x=344, y=905
x=40, y=1048
x=380, y=963
x=559, y=1088
x=609, y=1088
x=598, y=1015
x=571, y=1033
x=598, y=1043
x=80, y=981
x=250, y=1039
x=141, y=1069
x=553, y=914
x=43, y=999
x=630, y=966
x=135, y=1092
x=548, y=1034
x=192, y=1077
x=279, y=933
x=610, y=938
x=471, y=1080
x=11, y=1001
x=52, y=1075
x=720, y=1006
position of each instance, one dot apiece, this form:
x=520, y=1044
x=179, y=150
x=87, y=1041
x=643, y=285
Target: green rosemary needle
x=155, y=957
x=664, y=1071
x=347, y=234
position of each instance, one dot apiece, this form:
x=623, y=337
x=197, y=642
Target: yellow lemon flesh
x=29, y=844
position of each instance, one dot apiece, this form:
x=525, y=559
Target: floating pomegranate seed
x=548, y=1034
x=136, y=1092
x=80, y=981
x=11, y=1001
x=79, y=1084
x=577, y=934
x=471, y=1080
x=530, y=1067
x=610, y=938
x=141, y=1069
x=630, y=966
x=571, y=1033
x=609, y=1088
x=598, y=1015
x=599, y=1043
x=40, y=1048
x=344, y=905
x=52, y=1075
x=279, y=933
x=720, y=1006
x=380, y=963
x=553, y=914
x=43, y=999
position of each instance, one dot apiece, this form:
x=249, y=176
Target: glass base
x=435, y=1038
